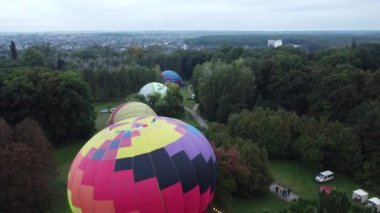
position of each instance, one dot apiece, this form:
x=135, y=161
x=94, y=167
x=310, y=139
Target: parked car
x=104, y=111
x=324, y=176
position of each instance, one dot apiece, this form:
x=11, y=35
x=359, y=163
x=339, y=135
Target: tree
x=365, y=119
x=353, y=45
x=336, y=202
x=274, y=130
x=152, y=99
x=317, y=143
x=28, y=169
x=60, y=64
x=335, y=92
x=356, y=208
x=60, y=102
x=228, y=166
x=34, y=58
x=243, y=165
x=13, y=50
x=324, y=144
x=174, y=100
x=302, y=206
x=371, y=172
x=216, y=83
x=6, y=132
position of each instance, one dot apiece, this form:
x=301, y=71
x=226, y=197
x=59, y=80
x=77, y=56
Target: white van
x=324, y=176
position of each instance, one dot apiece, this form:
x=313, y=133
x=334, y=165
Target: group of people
x=285, y=192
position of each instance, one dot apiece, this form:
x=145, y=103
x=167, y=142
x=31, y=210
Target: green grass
x=64, y=157
x=265, y=203
x=187, y=102
x=102, y=118
x=107, y=104
x=300, y=179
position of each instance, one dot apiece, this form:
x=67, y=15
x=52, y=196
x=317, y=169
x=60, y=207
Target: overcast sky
x=131, y=15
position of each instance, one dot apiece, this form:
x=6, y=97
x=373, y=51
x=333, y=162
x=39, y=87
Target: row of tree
x=317, y=143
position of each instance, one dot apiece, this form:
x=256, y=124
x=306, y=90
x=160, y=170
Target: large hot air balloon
x=130, y=110
x=152, y=88
x=144, y=164
x=170, y=76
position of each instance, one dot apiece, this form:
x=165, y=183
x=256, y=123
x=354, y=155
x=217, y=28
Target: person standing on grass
x=276, y=189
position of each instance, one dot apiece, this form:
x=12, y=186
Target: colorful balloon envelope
x=130, y=110
x=170, y=76
x=151, y=88
x=143, y=164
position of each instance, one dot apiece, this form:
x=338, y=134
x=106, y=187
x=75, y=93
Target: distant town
x=198, y=40
x=117, y=41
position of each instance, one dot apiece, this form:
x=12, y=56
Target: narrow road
x=196, y=116
x=194, y=112
x=189, y=88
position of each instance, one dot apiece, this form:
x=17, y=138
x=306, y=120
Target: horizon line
x=194, y=30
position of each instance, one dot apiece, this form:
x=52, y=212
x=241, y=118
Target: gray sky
x=247, y=15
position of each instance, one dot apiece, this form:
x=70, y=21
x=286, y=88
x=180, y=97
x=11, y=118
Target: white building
x=275, y=43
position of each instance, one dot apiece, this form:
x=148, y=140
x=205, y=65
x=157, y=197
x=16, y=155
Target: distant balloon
x=152, y=88
x=144, y=164
x=130, y=110
x=170, y=76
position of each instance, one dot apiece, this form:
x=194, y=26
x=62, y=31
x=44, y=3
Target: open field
x=300, y=179
x=187, y=102
x=63, y=157
x=102, y=118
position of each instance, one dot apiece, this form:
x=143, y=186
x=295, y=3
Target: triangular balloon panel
x=143, y=164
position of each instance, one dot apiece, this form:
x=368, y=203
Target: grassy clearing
x=63, y=157
x=300, y=179
x=102, y=118
x=187, y=101
x=297, y=177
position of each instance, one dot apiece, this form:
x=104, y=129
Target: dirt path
x=194, y=111
x=289, y=198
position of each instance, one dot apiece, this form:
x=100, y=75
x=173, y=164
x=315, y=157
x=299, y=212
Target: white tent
x=375, y=203
x=360, y=196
